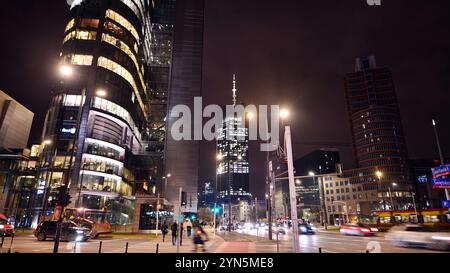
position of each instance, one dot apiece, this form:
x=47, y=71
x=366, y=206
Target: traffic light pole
x=64, y=199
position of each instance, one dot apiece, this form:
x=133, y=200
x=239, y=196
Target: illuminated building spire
x=234, y=90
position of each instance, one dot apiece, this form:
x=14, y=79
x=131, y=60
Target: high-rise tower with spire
x=232, y=160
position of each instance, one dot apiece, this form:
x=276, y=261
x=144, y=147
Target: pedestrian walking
x=174, y=229
x=164, y=231
x=188, y=227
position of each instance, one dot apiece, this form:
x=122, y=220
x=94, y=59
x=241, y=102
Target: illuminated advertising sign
x=446, y=204
x=441, y=183
x=441, y=171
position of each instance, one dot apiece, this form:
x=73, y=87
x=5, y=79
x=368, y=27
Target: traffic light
x=64, y=197
x=183, y=198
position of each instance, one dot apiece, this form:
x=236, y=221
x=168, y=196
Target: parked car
x=306, y=229
x=358, y=229
x=69, y=231
x=6, y=228
x=418, y=236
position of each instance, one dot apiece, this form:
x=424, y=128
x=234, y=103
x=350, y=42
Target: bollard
x=126, y=248
x=100, y=247
x=278, y=243
x=367, y=251
x=157, y=248
x=320, y=250
x=75, y=247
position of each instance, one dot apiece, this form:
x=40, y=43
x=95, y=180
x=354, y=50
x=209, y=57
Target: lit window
x=85, y=22
x=121, y=71
x=80, y=35
x=81, y=59
x=126, y=49
x=122, y=21
x=70, y=25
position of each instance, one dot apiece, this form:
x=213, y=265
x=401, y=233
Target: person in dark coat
x=174, y=229
x=164, y=231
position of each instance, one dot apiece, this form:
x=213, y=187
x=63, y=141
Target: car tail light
x=365, y=230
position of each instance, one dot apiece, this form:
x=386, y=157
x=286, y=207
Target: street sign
x=441, y=183
x=441, y=171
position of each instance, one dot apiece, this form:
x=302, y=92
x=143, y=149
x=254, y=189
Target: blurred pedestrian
x=174, y=229
x=200, y=237
x=164, y=231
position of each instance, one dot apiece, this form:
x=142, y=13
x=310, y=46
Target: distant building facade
x=15, y=123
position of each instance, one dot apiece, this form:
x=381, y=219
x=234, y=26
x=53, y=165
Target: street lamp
x=390, y=195
x=284, y=113
x=379, y=175
x=66, y=70
x=101, y=93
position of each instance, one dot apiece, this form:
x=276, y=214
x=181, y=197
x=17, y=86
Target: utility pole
x=157, y=214
x=441, y=155
x=292, y=194
x=180, y=223
x=270, y=183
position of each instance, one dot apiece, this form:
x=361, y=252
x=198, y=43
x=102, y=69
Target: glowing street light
x=284, y=113
x=219, y=156
x=101, y=93
x=311, y=174
x=66, y=70
x=47, y=142
x=379, y=174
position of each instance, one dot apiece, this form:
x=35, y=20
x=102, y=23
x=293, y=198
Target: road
x=225, y=242
x=328, y=242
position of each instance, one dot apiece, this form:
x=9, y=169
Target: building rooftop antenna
x=234, y=90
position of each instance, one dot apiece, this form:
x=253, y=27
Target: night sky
x=292, y=53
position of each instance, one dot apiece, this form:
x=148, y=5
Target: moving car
x=69, y=232
x=358, y=229
x=95, y=228
x=6, y=229
x=418, y=236
x=306, y=229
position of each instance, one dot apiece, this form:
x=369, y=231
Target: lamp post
x=283, y=115
x=390, y=195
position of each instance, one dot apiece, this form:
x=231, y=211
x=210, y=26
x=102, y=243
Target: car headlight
x=80, y=231
x=2, y=226
x=303, y=229
x=374, y=229
x=440, y=238
x=365, y=230
x=79, y=238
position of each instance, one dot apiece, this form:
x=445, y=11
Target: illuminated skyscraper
x=232, y=158
x=106, y=121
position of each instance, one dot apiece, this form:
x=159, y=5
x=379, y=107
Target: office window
x=123, y=22
x=77, y=59
x=124, y=73
x=87, y=22
x=70, y=25
x=126, y=49
x=80, y=35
